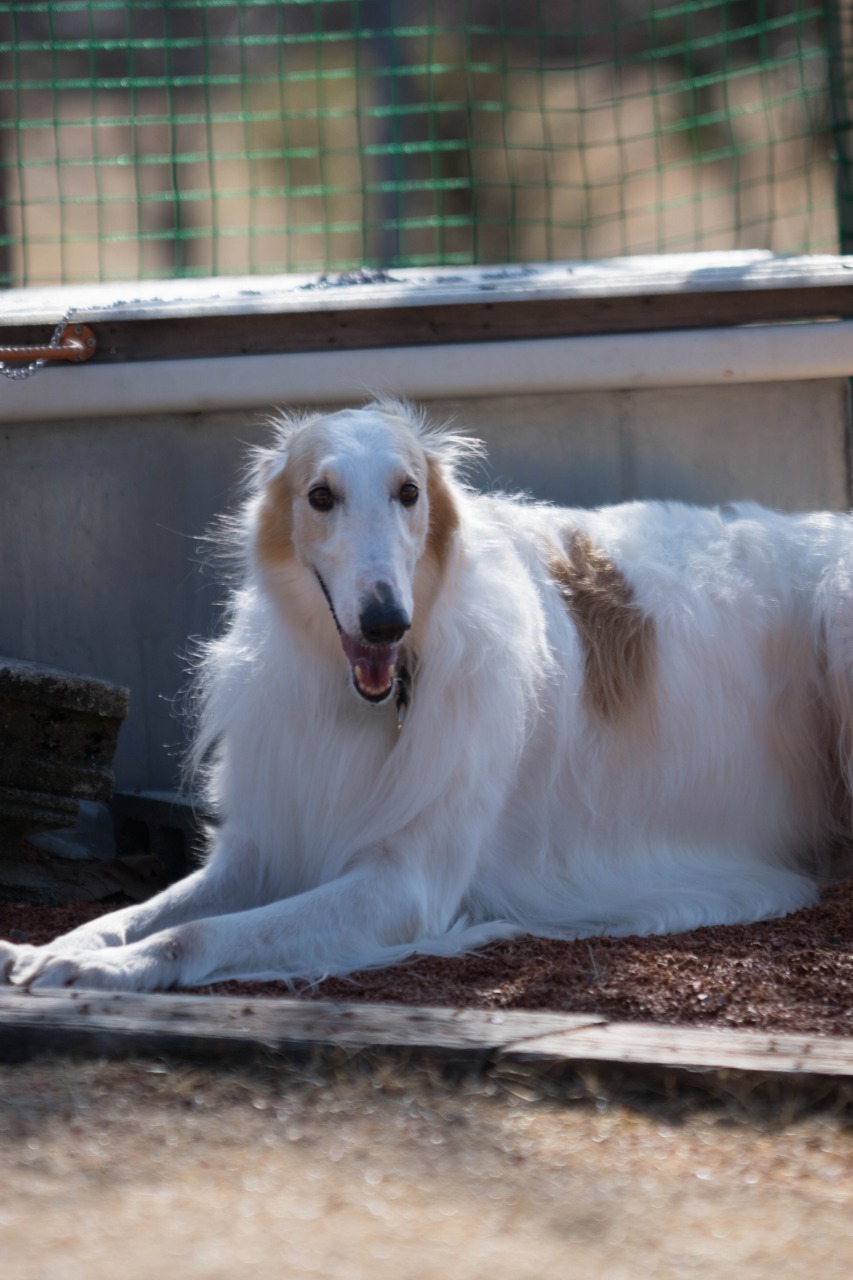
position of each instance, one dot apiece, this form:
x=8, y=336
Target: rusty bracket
x=73, y=342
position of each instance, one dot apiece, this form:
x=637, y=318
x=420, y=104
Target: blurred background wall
x=152, y=138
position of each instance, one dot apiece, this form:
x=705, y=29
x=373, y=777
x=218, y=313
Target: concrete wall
x=99, y=519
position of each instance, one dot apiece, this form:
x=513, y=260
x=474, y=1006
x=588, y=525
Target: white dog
x=437, y=718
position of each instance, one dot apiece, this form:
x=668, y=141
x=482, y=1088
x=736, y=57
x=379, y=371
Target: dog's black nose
x=382, y=619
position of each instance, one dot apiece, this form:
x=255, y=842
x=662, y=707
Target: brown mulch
x=794, y=974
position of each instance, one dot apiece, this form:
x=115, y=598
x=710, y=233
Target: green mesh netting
x=200, y=137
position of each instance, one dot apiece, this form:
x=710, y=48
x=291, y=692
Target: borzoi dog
x=437, y=718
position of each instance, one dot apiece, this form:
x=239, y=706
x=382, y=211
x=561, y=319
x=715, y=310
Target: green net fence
x=146, y=138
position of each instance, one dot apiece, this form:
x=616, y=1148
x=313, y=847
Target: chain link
x=26, y=371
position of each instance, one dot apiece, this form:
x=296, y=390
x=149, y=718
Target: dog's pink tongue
x=373, y=666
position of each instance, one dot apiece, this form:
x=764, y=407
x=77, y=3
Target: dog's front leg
x=214, y=889
x=357, y=920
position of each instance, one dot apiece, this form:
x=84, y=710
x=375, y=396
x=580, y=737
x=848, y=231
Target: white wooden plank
x=692, y=357
x=277, y=1022
x=698, y=1047
x=205, y=1025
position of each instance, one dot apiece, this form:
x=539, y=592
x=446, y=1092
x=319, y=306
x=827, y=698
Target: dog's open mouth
x=374, y=667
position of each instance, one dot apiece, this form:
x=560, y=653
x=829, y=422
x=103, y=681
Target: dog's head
x=357, y=506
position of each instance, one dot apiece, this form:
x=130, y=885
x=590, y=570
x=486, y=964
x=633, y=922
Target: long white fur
x=506, y=804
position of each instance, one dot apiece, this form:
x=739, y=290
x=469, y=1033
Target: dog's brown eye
x=409, y=494
x=321, y=498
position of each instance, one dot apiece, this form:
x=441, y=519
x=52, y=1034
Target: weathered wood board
x=373, y=309
x=116, y=1025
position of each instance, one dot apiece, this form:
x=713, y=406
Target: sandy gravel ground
x=141, y=1169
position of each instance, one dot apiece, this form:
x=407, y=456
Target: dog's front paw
x=104, y=970
x=138, y=967
x=38, y=966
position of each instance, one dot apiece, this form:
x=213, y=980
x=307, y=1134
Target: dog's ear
x=265, y=467
x=274, y=528
x=454, y=453
x=267, y=462
x=443, y=511
x=270, y=481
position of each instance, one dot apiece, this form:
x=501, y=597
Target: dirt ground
x=348, y=1172
x=794, y=974
x=360, y=1168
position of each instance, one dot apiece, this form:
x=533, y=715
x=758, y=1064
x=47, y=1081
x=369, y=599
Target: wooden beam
x=226, y=1027
x=217, y=337
x=221, y=318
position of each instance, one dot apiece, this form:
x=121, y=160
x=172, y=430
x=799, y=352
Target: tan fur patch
x=617, y=637
x=275, y=521
x=443, y=516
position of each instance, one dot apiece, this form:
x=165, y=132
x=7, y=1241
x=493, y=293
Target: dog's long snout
x=383, y=620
